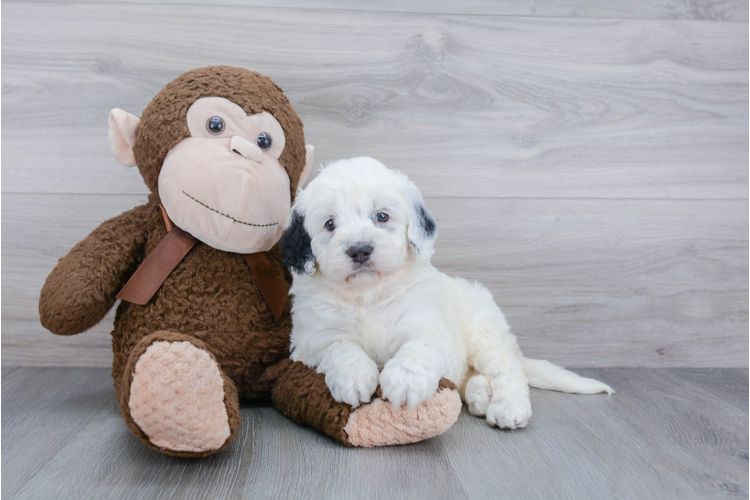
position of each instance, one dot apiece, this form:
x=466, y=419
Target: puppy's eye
x=330, y=225
x=382, y=217
x=263, y=141
x=215, y=125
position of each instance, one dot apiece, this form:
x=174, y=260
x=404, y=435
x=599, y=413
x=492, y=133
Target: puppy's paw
x=407, y=382
x=353, y=384
x=478, y=394
x=510, y=413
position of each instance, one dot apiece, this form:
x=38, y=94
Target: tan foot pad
x=381, y=424
x=177, y=398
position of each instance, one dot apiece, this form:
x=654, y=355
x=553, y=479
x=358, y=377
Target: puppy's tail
x=544, y=375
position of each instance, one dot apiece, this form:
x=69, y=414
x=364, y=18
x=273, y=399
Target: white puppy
x=366, y=297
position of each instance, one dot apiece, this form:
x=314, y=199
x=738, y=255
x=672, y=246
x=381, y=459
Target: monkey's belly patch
x=177, y=398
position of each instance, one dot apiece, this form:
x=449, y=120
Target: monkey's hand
x=83, y=285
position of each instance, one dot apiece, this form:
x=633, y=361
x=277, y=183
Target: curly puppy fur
x=371, y=310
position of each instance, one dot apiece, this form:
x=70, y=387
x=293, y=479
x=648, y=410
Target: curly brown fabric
x=305, y=398
x=164, y=121
x=211, y=298
x=82, y=288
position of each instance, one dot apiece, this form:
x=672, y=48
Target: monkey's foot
x=380, y=423
x=301, y=394
x=179, y=399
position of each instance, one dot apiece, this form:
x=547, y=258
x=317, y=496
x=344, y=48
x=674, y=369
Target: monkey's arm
x=83, y=285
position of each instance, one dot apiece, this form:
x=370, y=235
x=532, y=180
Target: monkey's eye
x=263, y=141
x=330, y=225
x=381, y=217
x=215, y=125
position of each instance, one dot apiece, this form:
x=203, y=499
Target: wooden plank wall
x=588, y=161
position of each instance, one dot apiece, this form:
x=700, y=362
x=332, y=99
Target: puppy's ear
x=295, y=246
x=422, y=229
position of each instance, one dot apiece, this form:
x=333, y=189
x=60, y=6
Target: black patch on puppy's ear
x=425, y=220
x=295, y=245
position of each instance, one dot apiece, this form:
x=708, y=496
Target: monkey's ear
x=123, y=129
x=310, y=151
x=296, y=246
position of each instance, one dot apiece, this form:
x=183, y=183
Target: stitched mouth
x=229, y=216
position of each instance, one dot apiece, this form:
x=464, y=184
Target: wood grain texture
x=472, y=106
x=591, y=172
x=710, y=10
x=657, y=437
x=582, y=282
x=660, y=436
x=48, y=409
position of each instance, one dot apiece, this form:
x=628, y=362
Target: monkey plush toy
x=204, y=318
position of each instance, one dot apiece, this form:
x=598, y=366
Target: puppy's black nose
x=360, y=253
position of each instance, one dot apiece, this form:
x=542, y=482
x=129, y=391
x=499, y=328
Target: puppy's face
x=358, y=222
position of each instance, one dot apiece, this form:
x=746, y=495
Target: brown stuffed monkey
x=204, y=319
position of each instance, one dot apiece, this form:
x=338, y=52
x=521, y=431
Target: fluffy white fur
x=397, y=312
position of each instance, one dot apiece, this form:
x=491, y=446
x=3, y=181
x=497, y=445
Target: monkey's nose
x=360, y=253
x=247, y=149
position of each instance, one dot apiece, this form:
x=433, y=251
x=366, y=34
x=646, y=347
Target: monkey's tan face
x=224, y=184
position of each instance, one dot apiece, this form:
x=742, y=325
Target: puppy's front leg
x=413, y=374
x=351, y=375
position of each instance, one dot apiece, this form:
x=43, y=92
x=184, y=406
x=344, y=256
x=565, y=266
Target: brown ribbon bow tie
x=170, y=251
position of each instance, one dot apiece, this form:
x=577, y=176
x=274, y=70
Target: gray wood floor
x=665, y=433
